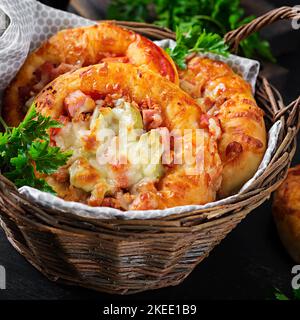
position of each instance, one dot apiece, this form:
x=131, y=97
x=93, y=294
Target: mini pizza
x=228, y=99
x=71, y=49
x=100, y=105
x=286, y=212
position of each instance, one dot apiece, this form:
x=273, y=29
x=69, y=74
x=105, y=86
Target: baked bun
x=226, y=96
x=78, y=47
x=286, y=212
x=101, y=97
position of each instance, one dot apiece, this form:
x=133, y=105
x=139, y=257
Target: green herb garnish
x=281, y=296
x=189, y=39
x=26, y=148
x=214, y=16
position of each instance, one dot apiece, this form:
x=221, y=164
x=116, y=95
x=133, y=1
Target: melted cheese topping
x=111, y=150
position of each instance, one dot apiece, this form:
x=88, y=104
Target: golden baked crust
x=224, y=94
x=286, y=212
x=74, y=48
x=178, y=186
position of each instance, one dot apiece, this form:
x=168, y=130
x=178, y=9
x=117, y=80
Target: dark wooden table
x=248, y=264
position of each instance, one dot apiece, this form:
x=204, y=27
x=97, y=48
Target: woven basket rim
x=276, y=107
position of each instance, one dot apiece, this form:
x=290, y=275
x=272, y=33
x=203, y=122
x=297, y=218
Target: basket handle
x=234, y=37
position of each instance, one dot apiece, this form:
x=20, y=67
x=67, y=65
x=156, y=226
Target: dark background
x=248, y=264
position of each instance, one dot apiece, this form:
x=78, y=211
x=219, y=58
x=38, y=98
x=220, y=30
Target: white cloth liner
x=31, y=23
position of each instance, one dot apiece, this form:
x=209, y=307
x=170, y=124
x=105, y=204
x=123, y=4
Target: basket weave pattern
x=128, y=256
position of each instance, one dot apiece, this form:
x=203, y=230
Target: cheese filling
x=111, y=151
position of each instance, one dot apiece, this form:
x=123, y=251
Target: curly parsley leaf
x=189, y=39
x=25, y=150
x=210, y=42
x=47, y=158
x=178, y=54
x=281, y=296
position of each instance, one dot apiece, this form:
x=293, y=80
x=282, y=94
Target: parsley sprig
x=214, y=16
x=281, y=296
x=26, y=149
x=189, y=39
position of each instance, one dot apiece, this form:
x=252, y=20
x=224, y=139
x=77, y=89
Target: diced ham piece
x=152, y=118
x=54, y=131
x=48, y=72
x=204, y=121
x=233, y=150
x=62, y=175
x=77, y=102
x=214, y=127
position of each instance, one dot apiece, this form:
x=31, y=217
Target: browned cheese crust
x=74, y=48
x=224, y=94
x=286, y=212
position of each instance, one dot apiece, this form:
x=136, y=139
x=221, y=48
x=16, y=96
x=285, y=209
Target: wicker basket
x=128, y=256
